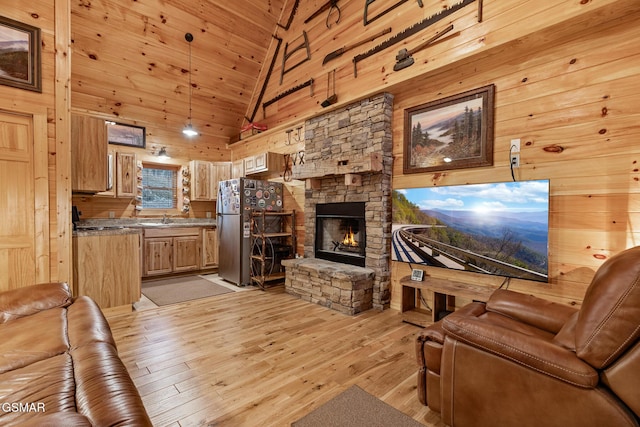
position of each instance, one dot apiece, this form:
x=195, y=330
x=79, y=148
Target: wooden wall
x=48, y=111
x=564, y=75
x=566, y=84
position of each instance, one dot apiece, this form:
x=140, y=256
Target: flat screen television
x=497, y=228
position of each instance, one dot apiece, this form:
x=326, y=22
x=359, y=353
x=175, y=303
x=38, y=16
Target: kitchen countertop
x=106, y=231
x=93, y=227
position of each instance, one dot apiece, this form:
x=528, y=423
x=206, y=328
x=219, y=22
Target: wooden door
x=88, y=154
x=237, y=169
x=209, y=247
x=185, y=253
x=200, y=180
x=220, y=171
x=126, y=175
x=249, y=165
x=260, y=162
x=19, y=244
x=158, y=256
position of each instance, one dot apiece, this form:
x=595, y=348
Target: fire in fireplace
x=340, y=232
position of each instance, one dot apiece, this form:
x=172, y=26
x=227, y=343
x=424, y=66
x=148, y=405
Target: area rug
x=355, y=407
x=180, y=289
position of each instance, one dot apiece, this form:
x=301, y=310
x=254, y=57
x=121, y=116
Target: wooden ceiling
x=130, y=61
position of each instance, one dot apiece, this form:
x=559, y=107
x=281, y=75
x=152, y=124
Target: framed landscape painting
x=122, y=134
x=20, y=55
x=450, y=133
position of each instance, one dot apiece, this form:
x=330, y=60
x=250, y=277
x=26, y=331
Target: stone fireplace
x=341, y=232
x=348, y=167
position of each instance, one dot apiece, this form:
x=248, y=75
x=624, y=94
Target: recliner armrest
x=29, y=300
x=528, y=350
x=534, y=311
x=435, y=334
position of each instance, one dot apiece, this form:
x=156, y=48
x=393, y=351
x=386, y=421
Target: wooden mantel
x=368, y=163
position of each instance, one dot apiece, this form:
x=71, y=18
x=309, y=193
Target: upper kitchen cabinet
x=205, y=177
x=200, y=180
x=237, y=169
x=126, y=175
x=263, y=162
x=88, y=154
x=221, y=171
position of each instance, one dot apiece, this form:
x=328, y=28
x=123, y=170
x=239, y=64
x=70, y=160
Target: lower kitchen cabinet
x=209, y=247
x=158, y=255
x=106, y=267
x=172, y=250
x=185, y=252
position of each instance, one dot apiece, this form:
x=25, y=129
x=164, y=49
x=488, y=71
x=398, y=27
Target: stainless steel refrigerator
x=236, y=199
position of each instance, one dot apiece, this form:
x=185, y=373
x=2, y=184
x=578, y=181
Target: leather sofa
x=59, y=365
x=523, y=361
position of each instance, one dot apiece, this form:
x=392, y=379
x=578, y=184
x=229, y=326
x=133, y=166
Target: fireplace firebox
x=340, y=232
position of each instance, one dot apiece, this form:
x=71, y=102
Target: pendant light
x=188, y=130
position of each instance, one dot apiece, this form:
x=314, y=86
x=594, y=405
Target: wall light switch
x=112, y=214
x=208, y=214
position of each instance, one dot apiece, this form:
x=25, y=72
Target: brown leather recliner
x=522, y=361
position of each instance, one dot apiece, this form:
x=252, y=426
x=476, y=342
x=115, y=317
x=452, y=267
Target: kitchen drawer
x=171, y=231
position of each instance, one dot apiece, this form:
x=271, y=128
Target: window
x=159, y=187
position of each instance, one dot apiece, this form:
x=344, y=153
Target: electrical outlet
x=112, y=214
x=515, y=145
x=208, y=214
x=515, y=160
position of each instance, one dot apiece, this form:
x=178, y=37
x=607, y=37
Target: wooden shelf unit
x=273, y=238
x=444, y=293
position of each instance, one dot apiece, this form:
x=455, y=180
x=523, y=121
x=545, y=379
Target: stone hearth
x=348, y=155
x=342, y=287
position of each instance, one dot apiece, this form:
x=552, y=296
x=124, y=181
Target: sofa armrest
x=534, y=311
x=29, y=300
x=531, y=351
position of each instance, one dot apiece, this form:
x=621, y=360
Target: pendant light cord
x=190, y=85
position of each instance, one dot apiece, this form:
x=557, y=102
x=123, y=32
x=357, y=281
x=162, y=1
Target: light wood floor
x=263, y=359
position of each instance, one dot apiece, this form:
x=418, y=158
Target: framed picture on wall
x=123, y=134
x=450, y=133
x=20, y=62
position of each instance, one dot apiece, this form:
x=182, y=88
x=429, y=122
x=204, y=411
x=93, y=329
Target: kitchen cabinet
x=221, y=171
x=88, y=154
x=249, y=165
x=205, y=177
x=172, y=249
x=200, y=180
x=237, y=169
x=158, y=255
x=106, y=267
x=126, y=174
x=263, y=162
x=186, y=252
x=209, y=247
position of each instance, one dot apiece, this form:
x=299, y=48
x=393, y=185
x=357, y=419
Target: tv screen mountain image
x=497, y=228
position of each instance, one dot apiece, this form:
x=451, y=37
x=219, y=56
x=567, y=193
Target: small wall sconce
x=163, y=153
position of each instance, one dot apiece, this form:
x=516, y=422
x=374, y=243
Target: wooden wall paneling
x=42, y=215
x=52, y=249
x=578, y=95
x=504, y=22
